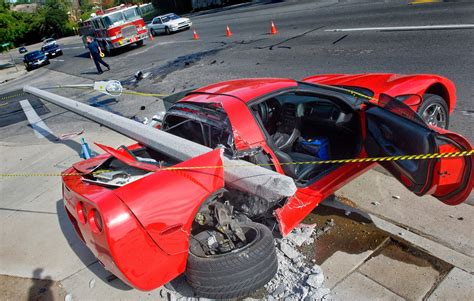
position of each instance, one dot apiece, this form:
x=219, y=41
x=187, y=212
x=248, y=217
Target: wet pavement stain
x=408, y=254
x=352, y=233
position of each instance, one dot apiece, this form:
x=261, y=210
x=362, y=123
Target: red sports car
x=148, y=224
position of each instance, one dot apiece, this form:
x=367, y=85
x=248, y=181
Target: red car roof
x=248, y=89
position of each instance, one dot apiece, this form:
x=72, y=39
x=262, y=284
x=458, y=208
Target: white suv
x=168, y=23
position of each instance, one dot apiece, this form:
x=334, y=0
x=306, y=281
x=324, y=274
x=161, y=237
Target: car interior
x=299, y=128
x=304, y=127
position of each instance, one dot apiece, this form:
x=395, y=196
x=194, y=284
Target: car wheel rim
x=435, y=115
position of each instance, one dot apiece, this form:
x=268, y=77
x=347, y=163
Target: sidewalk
x=8, y=71
x=428, y=254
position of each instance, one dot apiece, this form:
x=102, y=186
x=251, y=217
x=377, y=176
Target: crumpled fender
x=166, y=202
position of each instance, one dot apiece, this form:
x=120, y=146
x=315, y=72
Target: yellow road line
x=424, y=1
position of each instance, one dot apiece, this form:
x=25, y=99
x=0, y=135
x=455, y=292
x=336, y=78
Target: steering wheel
x=264, y=113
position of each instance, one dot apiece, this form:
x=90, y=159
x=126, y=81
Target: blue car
x=35, y=59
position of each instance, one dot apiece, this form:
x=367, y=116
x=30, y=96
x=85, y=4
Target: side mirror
x=410, y=99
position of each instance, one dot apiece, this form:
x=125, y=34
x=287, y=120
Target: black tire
x=140, y=43
x=152, y=32
x=235, y=274
x=430, y=102
x=167, y=30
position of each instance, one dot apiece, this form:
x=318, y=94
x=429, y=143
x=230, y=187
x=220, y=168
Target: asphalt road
x=302, y=47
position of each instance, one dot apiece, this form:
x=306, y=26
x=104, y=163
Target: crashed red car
x=148, y=224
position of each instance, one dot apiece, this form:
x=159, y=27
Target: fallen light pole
x=249, y=178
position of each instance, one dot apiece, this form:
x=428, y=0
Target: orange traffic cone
x=273, y=29
x=151, y=36
x=195, y=35
x=228, y=33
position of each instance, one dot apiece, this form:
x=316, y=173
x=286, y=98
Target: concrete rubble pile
x=297, y=278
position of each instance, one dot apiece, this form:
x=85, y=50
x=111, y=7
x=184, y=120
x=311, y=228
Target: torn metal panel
x=247, y=177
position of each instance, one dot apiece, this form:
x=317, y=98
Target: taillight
x=81, y=213
x=95, y=221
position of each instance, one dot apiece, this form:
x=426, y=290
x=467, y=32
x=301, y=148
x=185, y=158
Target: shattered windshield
x=204, y=124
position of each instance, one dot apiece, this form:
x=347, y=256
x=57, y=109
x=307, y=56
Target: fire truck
x=115, y=27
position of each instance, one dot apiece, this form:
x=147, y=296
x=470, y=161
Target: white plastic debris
x=375, y=203
x=92, y=283
x=68, y=297
x=397, y=197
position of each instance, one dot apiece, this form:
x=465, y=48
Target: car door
x=393, y=129
x=155, y=24
x=159, y=25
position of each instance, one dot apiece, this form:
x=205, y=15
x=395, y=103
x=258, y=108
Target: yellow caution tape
x=144, y=94
x=12, y=96
x=355, y=160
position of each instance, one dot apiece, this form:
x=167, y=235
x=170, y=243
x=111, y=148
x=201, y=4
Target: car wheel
x=434, y=111
x=236, y=273
x=140, y=43
x=167, y=30
x=152, y=32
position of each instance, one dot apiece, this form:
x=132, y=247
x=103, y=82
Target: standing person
x=95, y=52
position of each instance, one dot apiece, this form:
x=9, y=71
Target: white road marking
x=396, y=28
x=57, y=60
x=39, y=127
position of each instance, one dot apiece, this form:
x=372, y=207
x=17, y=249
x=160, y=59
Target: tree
x=19, y=27
x=55, y=19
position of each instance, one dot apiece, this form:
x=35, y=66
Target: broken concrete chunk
x=375, y=203
x=315, y=280
x=279, y=290
x=288, y=250
x=316, y=269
